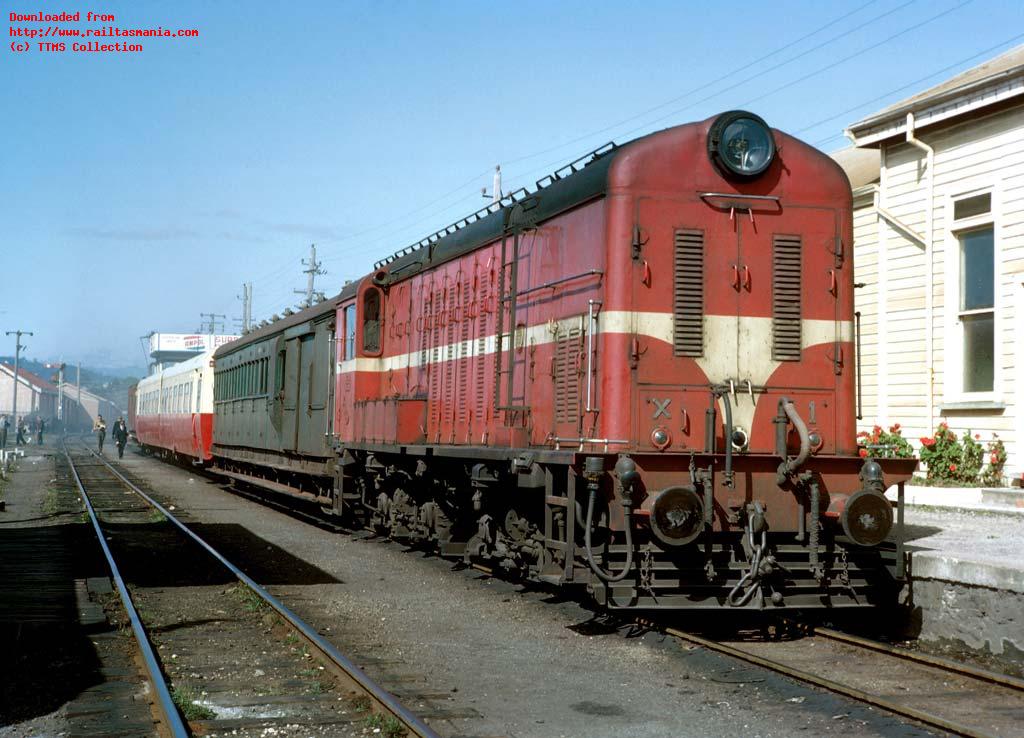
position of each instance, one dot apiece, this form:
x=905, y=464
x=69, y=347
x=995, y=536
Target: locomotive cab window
x=350, y=332
x=372, y=317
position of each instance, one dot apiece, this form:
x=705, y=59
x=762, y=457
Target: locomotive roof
x=586, y=179
x=310, y=313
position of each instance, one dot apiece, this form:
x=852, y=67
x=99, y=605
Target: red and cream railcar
x=174, y=409
x=639, y=376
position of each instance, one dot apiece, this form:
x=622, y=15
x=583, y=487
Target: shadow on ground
x=159, y=555
x=46, y=655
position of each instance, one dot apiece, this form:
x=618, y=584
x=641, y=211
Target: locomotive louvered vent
x=568, y=368
x=688, y=332
x=786, y=255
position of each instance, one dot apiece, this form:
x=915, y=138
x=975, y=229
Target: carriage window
x=371, y=321
x=350, y=332
x=280, y=371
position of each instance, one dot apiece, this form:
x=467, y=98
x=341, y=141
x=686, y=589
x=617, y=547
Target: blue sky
x=138, y=190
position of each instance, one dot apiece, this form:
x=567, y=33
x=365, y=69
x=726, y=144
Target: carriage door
x=290, y=423
x=311, y=399
x=316, y=377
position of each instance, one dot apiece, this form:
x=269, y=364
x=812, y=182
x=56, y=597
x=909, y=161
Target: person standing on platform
x=39, y=431
x=120, y=434
x=20, y=438
x=4, y=425
x=100, y=429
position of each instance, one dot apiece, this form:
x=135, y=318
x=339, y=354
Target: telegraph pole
x=246, y=298
x=213, y=322
x=60, y=393
x=17, y=357
x=78, y=383
x=313, y=270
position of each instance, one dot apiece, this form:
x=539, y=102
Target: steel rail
x=925, y=659
x=818, y=681
x=382, y=696
x=169, y=711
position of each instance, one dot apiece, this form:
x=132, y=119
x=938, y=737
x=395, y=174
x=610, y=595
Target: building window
x=977, y=308
x=974, y=259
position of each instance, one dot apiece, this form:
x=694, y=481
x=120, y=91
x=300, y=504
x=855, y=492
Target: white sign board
x=197, y=342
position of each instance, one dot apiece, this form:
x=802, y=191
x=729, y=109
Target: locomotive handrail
x=556, y=282
x=738, y=201
x=738, y=196
x=591, y=329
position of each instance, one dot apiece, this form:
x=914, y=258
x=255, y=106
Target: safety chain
x=647, y=571
x=750, y=583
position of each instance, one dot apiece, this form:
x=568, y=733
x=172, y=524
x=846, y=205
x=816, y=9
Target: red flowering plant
x=942, y=453
x=882, y=444
x=996, y=452
x=951, y=459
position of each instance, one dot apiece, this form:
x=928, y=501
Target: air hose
x=627, y=513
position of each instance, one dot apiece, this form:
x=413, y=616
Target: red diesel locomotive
x=638, y=378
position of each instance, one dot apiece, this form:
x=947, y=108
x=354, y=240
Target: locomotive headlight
x=741, y=143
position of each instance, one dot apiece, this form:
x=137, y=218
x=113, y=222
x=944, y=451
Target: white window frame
x=954, y=334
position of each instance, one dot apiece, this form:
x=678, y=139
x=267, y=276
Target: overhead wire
x=337, y=256
x=721, y=78
x=908, y=85
x=732, y=73
x=847, y=58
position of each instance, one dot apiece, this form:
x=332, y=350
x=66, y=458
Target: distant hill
x=102, y=381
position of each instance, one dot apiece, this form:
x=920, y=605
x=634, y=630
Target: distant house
x=82, y=407
x=36, y=396
x=939, y=247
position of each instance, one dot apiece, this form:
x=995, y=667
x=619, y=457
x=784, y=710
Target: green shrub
x=996, y=452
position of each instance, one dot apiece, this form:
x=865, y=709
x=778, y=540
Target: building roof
x=71, y=390
x=862, y=166
x=982, y=86
x=29, y=377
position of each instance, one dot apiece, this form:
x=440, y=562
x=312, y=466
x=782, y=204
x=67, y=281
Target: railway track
x=222, y=654
x=940, y=693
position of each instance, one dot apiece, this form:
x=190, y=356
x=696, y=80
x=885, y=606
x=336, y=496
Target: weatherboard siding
x=978, y=154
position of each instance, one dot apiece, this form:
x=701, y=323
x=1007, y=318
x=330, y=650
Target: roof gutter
x=929, y=252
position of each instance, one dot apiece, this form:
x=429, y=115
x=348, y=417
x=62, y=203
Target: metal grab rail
x=385, y=698
x=164, y=700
